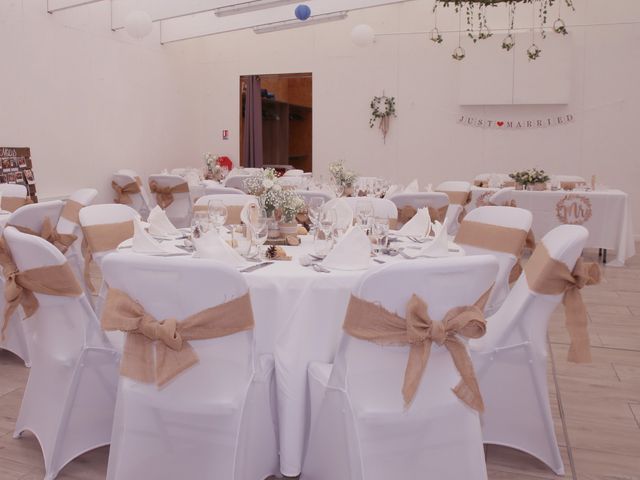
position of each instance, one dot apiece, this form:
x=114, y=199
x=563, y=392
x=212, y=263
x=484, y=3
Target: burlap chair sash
x=122, y=193
x=157, y=351
x=458, y=198
x=164, y=195
x=233, y=213
x=19, y=287
x=371, y=322
x=11, y=204
x=62, y=241
x=495, y=238
x=548, y=276
x=102, y=238
x=71, y=211
x=407, y=212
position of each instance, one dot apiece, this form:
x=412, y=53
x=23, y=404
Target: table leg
x=604, y=256
x=600, y=252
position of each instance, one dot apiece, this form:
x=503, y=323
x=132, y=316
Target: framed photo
x=28, y=175
x=11, y=178
x=3, y=179
x=19, y=177
x=14, y=163
x=22, y=162
x=6, y=163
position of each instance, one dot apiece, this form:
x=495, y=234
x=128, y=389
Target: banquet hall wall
x=88, y=100
x=425, y=140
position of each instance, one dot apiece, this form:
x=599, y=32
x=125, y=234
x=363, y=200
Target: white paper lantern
x=363, y=35
x=138, y=24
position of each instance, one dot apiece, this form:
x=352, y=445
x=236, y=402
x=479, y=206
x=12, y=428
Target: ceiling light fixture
x=252, y=6
x=288, y=24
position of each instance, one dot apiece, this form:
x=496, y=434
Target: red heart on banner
x=500, y=124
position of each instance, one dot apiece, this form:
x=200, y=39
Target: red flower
x=225, y=162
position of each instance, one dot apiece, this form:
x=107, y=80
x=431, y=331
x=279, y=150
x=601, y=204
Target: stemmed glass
x=380, y=233
x=313, y=209
x=199, y=224
x=217, y=213
x=323, y=238
x=259, y=228
x=363, y=211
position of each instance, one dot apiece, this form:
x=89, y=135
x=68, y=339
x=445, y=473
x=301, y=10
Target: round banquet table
x=298, y=318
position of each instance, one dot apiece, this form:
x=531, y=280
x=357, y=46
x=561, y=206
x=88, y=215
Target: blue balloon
x=303, y=12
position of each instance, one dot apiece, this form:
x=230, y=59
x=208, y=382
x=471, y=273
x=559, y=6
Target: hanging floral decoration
x=382, y=109
x=477, y=25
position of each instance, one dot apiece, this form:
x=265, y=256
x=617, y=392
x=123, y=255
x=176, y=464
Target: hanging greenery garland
x=477, y=27
x=382, y=109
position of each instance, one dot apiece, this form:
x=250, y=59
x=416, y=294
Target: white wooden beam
x=57, y=5
x=207, y=23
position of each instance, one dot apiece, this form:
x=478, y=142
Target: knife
x=256, y=267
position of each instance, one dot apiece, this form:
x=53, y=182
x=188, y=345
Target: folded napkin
x=145, y=243
x=391, y=191
x=344, y=213
x=250, y=210
x=211, y=245
x=412, y=187
x=159, y=223
x=352, y=252
x=439, y=246
x=419, y=225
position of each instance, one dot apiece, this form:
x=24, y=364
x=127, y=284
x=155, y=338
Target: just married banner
x=521, y=124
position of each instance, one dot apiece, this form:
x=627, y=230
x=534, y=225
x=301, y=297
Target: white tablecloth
x=605, y=213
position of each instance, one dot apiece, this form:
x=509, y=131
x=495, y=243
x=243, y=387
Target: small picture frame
x=14, y=163
x=6, y=163
x=22, y=162
x=19, y=177
x=11, y=178
x=3, y=178
x=28, y=175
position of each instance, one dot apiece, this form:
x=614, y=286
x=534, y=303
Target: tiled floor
x=596, y=406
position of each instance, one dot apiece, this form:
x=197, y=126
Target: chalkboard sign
x=16, y=167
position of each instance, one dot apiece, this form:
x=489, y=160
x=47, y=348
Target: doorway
x=287, y=123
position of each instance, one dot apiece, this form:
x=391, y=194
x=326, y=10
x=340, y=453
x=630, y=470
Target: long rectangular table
x=605, y=213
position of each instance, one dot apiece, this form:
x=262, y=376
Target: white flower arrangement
x=276, y=200
x=341, y=175
x=210, y=160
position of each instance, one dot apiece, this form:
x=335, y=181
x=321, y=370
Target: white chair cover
x=454, y=210
x=382, y=207
x=504, y=217
x=237, y=181
x=359, y=426
x=99, y=215
x=220, y=190
x=502, y=197
x=84, y=197
x=30, y=216
x=179, y=212
x=511, y=361
x=15, y=190
x=140, y=202
x=239, y=199
x=307, y=195
x=435, y=200
x=212, y=421
x=294, y=172
x=68, y=403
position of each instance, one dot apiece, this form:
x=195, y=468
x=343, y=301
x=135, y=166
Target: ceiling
x=184, y=19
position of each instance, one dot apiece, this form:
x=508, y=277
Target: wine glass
x=380, y=233
x=259, y=228
x=217, y=213
x=313, y=209
x=199, y=224
x=363, y=211
x=328, y=220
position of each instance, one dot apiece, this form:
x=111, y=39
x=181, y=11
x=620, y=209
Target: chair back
x=32, y=216
x=294, y=172
x=502, y=197
x=62, y=325
x=179, y=211
x=177, y=288
x=512, y=218
x=237, y=181
x=220, y=190
x=307, y=195
x=139, y=201
x=524, y=315
x=120, y=216
x=382, y=207
x=373, y=375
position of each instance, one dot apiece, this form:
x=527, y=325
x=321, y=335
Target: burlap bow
x=548, y=276
x=407, y=212
x=122, y=193
x=169, y=338
x=370, y=322
x=164, y=195
x=19, y=287
x=71, y=211
x=62, y=241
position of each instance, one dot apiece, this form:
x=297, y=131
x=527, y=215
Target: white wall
x=87, y=100
x=425, y=140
